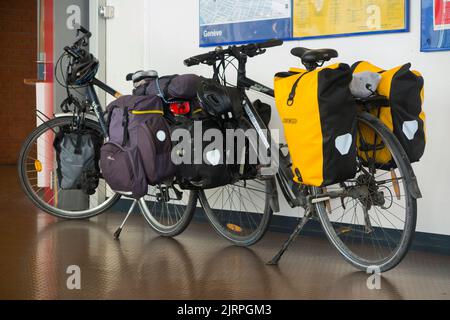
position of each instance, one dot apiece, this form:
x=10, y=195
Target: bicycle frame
x=95, y=102
x=284, y=175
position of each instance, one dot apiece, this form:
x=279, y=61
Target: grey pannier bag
x=77, y=156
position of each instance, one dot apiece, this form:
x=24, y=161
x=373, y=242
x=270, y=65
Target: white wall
x=173, y=36
x=126, y=41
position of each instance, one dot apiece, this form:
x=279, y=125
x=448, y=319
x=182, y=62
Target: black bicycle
x=370, y=219
x=76, y=70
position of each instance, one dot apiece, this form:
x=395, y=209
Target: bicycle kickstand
x=119, y=230
x=291, y=238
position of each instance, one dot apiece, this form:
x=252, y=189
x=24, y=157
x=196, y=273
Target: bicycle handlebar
x=250, y=50
x=75, y=50
x=270, y=43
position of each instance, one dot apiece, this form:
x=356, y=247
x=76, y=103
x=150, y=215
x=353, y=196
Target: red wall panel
x=18, y=47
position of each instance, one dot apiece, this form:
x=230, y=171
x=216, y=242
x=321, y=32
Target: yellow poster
x=313, y=18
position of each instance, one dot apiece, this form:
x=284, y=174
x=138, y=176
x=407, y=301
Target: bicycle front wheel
x=38, y=175
x=168, y=209
x=373, y=223
x=240, y=212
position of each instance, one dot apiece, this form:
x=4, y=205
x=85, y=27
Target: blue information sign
x=236, y=21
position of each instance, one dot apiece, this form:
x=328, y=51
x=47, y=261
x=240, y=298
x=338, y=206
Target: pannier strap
x=291, y=98
x=108, y=121
x=78, y=144
x=298, y=174
x=126, y=135
x=165, y=92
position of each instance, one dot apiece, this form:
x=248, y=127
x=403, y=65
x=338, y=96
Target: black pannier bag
x=77, y=156
x=206, y=168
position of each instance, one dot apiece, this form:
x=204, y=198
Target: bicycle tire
x=404, y=166
x=179, y=226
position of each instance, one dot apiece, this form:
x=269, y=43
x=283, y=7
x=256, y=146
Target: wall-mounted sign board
x=331, y=18
x=237, y=21
x=435, y=25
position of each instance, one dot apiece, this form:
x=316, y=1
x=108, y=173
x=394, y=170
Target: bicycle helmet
x=83, y=71
x=216, y=100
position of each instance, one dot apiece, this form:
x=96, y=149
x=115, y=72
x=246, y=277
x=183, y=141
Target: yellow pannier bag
x=319, y=120
x=404, y=116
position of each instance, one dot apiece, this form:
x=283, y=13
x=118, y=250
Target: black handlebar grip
x=129, y=77
x=83, y=29
x=201, y=58
x=191, y=62
x=271, y=43
x=86, y=32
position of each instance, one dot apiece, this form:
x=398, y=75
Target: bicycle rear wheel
x=373, y=223
x=37, y=168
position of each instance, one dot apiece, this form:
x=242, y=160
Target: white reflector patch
x=213, y=157
x=410, y=128
x=344, y=143
x=161, y=135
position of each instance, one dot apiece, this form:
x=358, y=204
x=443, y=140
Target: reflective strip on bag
x=147, y=112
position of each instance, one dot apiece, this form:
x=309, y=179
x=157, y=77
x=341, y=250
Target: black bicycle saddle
x=314, y=55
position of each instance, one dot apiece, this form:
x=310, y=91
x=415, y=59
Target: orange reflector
x=395, y=184
x=343, y=230
x=234, y=227
x=38, y=165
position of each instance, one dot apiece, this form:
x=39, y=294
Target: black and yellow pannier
x=404, y=116
x=319, y=119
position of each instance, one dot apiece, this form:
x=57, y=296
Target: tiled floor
x=37, y=249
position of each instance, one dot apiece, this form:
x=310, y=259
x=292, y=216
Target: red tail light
x=180, y=108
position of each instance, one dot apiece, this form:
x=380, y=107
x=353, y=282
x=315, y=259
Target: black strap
x=126, y=134
x=299, y=176
x=164, y=92
x=78, y=143
x=108, y=121
x=355, y=65
x=291, y=98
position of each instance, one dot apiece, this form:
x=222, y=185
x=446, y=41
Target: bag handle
x=290, y=101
